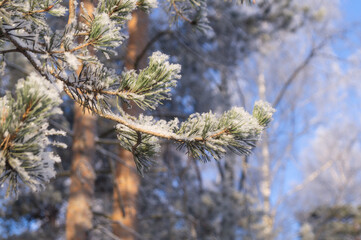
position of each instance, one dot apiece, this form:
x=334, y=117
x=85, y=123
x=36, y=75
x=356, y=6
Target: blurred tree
x=332, y=223
x=126, y=179
x=79, y=212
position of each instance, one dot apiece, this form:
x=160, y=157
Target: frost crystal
x=72, y=60
x=152, y=3
x=263, y=111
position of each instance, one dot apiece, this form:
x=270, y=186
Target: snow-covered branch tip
x=24, y=134
x=152, y=85
x=205, y=136
x=263, y=112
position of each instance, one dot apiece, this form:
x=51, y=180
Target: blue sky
x=351, y=17
x=351, y=10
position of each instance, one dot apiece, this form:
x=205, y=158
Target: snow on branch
x=24, y=134
x=152, y=85
x=56, y=56
x=205, y=136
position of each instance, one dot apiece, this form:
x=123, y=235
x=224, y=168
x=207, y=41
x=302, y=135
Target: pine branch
x=24, y=135
x=3, y=2
x=56, y=57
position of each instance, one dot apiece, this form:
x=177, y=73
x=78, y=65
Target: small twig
x=115, y=157
x=24, y=52
x=66, y=173
x=7, y=141
x=149, y=44
x=220, y=169
x=128, y=229
x=40, y=11
x=226, y=130
x=108, y=141
x=3, y=2
x=139, y=141
x=17, y=67
x=180, y=14
x=74, y=49
x=296, y=72
x=106, y=232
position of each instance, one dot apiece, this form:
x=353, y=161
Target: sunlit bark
x=126, y=180
x=79, y=213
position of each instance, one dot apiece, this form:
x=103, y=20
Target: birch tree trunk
x=265, y=186
x=79, y=213
x=126, y=180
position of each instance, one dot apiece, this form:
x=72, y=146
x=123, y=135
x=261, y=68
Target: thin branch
x=296, y=72
x=105, y=231
x=220, y=169
x=98, y=148
x=139, y=141
x=40, y=11
x=25, y=53
x=59, y=126
x=67, y=173
x=74, y=49
x=108, y=141
x=115, y=157
x=224, y=131
x=200, y=57
x=310, y=178
x=7, y=141
x=9, y=51
x=3, y=2
x=316, y=173
x=149, y=44
x=178, y=12
x=128, y=229
x=17, y=67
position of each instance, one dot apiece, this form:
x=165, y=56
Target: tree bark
x=265, y=186
x=79, y=214
x=127, y=181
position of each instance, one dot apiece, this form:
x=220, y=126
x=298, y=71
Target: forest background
x=301, y=182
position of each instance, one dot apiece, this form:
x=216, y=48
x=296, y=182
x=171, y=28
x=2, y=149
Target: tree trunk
x=265, y=188
x=126, y=180
x=79, y=214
